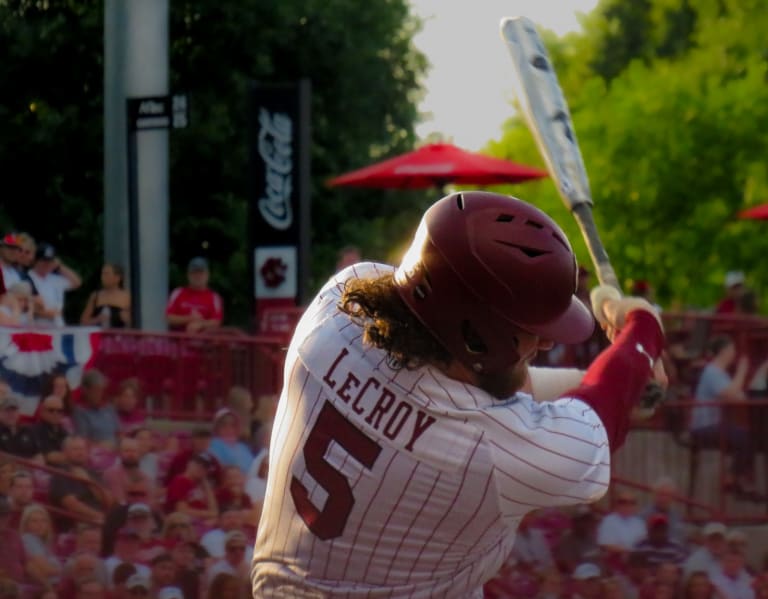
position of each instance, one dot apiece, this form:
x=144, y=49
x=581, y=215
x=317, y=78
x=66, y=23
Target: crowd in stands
x=97, y=500
x=632, y=552
x=34, y=282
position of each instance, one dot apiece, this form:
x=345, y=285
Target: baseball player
x=403, y=454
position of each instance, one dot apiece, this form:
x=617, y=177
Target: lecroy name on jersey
x=375, y=407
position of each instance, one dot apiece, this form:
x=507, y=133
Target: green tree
x=365, y=73
x=674, y=144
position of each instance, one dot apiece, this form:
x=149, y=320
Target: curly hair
x=388, y=324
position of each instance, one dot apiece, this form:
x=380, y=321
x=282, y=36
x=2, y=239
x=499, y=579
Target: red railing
x=185, y=373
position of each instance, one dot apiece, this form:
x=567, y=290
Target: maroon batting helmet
x=484, y=267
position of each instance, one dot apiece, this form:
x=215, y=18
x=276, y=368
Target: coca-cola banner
x=279, y=155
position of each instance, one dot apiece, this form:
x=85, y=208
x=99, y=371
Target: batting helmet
x=484, y=267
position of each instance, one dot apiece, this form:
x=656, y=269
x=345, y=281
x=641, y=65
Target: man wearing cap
x=226, y=445
x=620, y=530
x=234, y=561
x=196, y=307
x=734, y=289
x=10, y=251
x=664, y=492
x=707, y=557
x=658, y=548
x=137, y=585
x=51, y=280
x=17, y=440
x=214, y=541
x=95, y=419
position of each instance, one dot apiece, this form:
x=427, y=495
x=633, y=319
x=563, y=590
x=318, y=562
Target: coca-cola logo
x=275, y=134
x=273, y=272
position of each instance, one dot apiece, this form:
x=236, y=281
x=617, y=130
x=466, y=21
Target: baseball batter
x=403, y=453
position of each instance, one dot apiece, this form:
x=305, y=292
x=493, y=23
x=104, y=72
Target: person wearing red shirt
x=192, y=493
x=196, y=307
x=734, y=289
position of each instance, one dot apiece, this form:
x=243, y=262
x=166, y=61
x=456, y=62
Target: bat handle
x=605, y=274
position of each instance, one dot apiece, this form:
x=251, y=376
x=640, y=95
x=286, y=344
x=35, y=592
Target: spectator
x=16, y=305
x=12, y=555
x=123, y=514
x=580, y=542
x=15, y=439
x=188, y=567
x=51, y=279
x=347, y=256
x=149, y=461
x=164, y=571
x=588, y=582
x=239, y=400
x=49, y=431
x=58, y=385
x=110, y=306
x=178, y=527
x=664, y=492
x=698, y=586
x=82, y=567
x=37, y=535
x=127, y=545
x=732, y=579
x=201, y=443
x=10, y=252
x=658, y=548
x=670, y=574
x=195, y=308
x=706, y=558
x=734, y=288
x=214, y=541
x=95, y=419
x=737, y=541
x=126, y=470
x=231, y=494
x=224, y=586
x=226, y=446
x=143, y=520
x=80, y=492
x=129, y=414
x=88, y=539
x=708, y=429
x=27, y=253
x=192, y=493
x=621, y=529
x=21, y=494
x=234, y=561
x=138, y=586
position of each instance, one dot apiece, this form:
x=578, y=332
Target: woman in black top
x=110, y=306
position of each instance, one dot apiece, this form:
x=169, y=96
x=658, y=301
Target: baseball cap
x=196, y=264
x=586, y=571
x=137, y=581
x=45, y=251
x=10, y=240
x=734, y=277
x=170, y=593
x=714, y=528
x=139, y=509
x=9, y=401
x=657, y=520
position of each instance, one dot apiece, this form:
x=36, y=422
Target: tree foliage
x=365, y=77
x=670, y=106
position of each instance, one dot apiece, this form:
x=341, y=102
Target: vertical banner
x=279, y=116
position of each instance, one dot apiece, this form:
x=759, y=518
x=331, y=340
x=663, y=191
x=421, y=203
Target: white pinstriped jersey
x=398, y=483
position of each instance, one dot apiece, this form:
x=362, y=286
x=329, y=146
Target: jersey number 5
x=331, y=425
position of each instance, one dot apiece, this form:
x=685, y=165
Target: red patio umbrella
x=756, y=213
x=435, y=165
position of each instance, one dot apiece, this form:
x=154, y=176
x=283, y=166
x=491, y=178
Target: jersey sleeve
x=614, y=382
x=546, y=454
x=172, y=307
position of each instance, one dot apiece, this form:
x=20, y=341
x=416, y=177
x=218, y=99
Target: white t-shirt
x=405, y=483
x=11, y=276
x=51, y=289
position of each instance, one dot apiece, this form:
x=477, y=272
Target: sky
x=468, y=87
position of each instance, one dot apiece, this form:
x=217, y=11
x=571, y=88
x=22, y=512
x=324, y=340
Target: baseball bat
x=547, y=116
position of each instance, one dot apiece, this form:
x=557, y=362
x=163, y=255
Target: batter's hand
x=611, y=309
